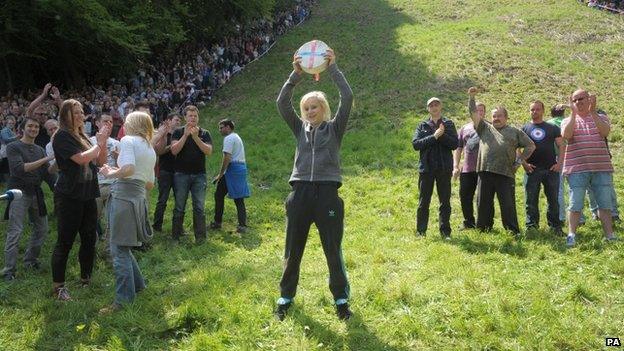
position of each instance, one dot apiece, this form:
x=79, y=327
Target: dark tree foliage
x=71, y=42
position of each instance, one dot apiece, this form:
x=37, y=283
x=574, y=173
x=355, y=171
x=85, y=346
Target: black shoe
x=241, y=229
x=282, y=310
x=558, y=231
x=343, y=311
x=215, y=225
x=446, y=236
x=35, y=266
x=9, y=277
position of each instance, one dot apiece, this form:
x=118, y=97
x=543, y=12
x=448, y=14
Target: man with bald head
x=586, y=161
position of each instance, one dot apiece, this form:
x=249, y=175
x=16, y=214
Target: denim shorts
x=599, y=182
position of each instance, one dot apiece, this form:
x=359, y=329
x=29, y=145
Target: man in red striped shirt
x=586, y=162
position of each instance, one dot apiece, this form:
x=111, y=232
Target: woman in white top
x=127, y=212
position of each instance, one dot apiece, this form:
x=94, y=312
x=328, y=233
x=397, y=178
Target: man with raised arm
x=38, y=111
x=497, y=165
x=586, y=161
x=468, y=144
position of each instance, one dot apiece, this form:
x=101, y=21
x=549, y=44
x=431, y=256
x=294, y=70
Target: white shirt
x=112, y=145
x=233, y=145
x=50, y=152
x=134, y=150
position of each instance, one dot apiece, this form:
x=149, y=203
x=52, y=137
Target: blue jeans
x=19, y=210
x=128, y=277
x=532, y=184
x=600, y=183
x=561, y=199
x=593, y=204
x=184, y=183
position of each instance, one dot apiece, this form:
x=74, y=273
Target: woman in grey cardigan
x=315, y=180
x=127, y=207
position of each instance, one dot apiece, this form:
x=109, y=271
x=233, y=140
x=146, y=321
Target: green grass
x=478, y=291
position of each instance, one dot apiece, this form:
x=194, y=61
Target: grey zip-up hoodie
x=317, y=157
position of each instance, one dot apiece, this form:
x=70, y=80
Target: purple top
x=469, y=142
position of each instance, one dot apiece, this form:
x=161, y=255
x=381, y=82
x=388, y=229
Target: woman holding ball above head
x=315, y=180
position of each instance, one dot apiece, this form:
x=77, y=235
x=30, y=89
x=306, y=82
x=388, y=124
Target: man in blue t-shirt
x=542, y=168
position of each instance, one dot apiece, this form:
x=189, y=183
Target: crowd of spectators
x=616, y=6
x=167, y=84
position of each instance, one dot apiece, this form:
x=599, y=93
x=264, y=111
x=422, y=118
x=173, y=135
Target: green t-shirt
x=497, y=148
x=556, y=121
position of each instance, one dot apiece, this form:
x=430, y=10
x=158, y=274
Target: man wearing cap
x=497, y=165
x=435, y=138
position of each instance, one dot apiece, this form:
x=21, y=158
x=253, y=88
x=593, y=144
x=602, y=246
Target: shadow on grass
x=249, y=240
x=66, y=325
x=390, y=89
x=511, y=246
x=589, y=238
x=587, y=242
x=358, y=337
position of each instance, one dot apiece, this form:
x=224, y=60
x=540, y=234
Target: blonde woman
x=315, y=180
x=75, y=193
x=127, y=211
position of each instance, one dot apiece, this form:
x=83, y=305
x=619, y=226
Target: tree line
x=74, y=42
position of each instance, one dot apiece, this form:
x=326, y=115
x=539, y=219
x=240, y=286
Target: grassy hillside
x=478, y=291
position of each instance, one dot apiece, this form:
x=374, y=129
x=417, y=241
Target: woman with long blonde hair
x=75, y=193
x=127, y=211
x=315, y=180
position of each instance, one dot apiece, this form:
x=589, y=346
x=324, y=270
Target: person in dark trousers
x=232, y=177
x=542, y=168
x=166, y=166
x=315, y=180
x=190, y=145
x=28, y=166
x=435, y=139
x=76, y=190
x=497, y=165
x=468, y=145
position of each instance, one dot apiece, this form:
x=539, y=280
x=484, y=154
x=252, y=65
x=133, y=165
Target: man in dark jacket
x=435, y=138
